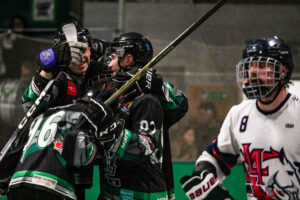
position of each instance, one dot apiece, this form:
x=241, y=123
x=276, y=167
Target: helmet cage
x=253, y=85
x=83, y=34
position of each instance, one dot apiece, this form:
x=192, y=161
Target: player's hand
x=100, y=117
x=204, y=186
x=61, y=56
x=97, y=113
x=110, y=136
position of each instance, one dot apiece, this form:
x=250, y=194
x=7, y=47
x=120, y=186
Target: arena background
x=203, y=65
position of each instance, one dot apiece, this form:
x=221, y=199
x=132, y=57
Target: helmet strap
x=276, y=89
x=122, y=68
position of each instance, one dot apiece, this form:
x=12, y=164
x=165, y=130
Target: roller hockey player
x=60, y=139
x=76, y=61
x=137, y=172
x=261, y=132
x=72, y=58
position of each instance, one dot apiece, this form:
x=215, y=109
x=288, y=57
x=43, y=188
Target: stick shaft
x=27, y=118
x=165, y=51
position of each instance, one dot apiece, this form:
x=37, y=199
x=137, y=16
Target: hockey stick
x=165, y=51
x=24, y=121
x=71, y=35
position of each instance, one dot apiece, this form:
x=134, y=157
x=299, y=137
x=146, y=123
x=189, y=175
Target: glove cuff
x=204, y=166
x=200, y=186
x=47, y=60
x=123, y=143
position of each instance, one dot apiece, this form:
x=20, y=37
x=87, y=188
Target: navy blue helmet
x=272, y=47
x=264, y=52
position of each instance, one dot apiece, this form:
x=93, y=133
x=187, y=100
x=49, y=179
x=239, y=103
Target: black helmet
x=83, y=34
x=272, y=47
x=135, y=44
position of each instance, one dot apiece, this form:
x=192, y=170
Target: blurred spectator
x=207, y=126
x=28, y=69
x=184, y=147
x=13, y=54
x=12, y=49
x=18, y=24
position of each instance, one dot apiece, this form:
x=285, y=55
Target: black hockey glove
x=100, y=118
x=97, y=114
x=149, y=83
x=61, y=56
x=110, y=137
x=204, y=184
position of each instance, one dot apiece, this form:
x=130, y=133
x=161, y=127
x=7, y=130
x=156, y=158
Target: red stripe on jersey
x=71, y=89
x=219, y=157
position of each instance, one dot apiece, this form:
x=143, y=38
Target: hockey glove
x=203, y=184
x=61, y=56
x=76, y=49
x=97, y=114
x=100, y=117
x=110, y=136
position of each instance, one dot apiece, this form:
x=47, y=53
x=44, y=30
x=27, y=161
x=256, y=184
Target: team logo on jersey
x=58, y=146
x=283, y=183
x=127, y=106
x=71, y=89
x=288, y=125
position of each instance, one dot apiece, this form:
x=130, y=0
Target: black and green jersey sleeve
x=175, y=104
x=53, y=147
x=64, y=90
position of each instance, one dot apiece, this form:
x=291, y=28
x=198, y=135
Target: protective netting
x=203, y=65
x=17, y=67
x=210, y=94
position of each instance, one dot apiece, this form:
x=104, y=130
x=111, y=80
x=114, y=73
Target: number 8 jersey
x=266, y=143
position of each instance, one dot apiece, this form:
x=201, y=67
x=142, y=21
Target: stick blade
x=70, y=32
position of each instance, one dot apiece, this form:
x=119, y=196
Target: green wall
x=235, y=182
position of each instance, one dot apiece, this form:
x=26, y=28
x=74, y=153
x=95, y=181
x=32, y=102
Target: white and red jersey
x=266, y=143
